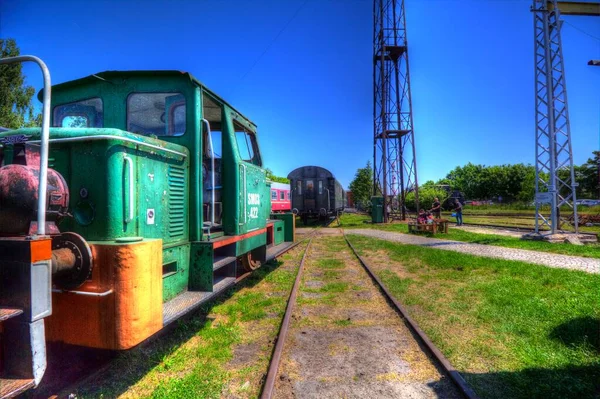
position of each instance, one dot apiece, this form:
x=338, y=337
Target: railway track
x=434, y=353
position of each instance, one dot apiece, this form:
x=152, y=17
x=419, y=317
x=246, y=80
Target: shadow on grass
x=68, y=364
x=579, y=332
x=568, y=382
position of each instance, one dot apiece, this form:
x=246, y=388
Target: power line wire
x=274, y=40
x=582, y=31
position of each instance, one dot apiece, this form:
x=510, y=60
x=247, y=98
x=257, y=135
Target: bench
x=440, y=225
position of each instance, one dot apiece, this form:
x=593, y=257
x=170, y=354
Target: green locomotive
x=156, y=200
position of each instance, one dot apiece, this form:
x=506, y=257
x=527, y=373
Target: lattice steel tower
x=555, y=178
x=394, y=157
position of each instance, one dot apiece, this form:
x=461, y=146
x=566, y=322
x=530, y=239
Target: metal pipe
x=109, y=137
x=41, y=221
x=212, y=174
x=85, y=293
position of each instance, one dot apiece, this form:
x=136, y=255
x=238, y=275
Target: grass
x=590, y=251
x=512, y=329
x=193, y=361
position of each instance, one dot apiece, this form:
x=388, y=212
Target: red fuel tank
x=19, y=195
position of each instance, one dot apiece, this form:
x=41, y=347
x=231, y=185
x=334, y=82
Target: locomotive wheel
x=249, y=262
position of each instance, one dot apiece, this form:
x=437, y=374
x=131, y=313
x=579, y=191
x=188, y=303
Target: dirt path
x=589, y=265
x=345, y=340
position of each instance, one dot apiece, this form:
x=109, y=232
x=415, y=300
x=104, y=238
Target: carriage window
x=246, y=142
x=281, y=195
x=158, y=114
x=86, y=113
x=273, y=194
x=299, y=189
x=320, y=187
x=287, y=195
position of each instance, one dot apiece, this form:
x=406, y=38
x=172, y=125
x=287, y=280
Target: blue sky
x=309, y=89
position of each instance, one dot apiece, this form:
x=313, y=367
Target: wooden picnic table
x=438, y=225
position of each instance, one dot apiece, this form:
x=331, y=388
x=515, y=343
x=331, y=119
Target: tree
x=362, y=186
x=16, y=109
x=278, y=179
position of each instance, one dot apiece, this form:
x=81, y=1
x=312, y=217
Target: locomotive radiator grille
x=176, y=201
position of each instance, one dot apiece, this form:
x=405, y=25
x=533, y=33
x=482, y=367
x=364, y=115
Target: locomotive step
x=7, y=313
x=273, y=252
x=221, y=261
x=191, y=300
x=11, y=387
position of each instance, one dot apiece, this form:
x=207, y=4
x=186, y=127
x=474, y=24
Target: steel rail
x=435, y=352
x=269, y=385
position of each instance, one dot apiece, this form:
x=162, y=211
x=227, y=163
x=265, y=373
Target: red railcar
x=280, y=198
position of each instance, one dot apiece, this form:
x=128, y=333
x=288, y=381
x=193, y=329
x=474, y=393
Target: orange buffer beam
x=123, y=305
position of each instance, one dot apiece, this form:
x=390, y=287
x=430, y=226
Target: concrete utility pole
x=394, y=157
x=555, y=177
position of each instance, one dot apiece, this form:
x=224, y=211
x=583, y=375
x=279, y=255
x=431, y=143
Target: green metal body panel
x=176, y=270
x=201, y=266
x=248, y=244
x=289, y=220
x=377, y=209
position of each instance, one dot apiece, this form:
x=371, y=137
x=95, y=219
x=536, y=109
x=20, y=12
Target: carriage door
x=309, y=196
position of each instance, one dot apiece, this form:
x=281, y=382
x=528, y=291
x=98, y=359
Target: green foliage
x=362, y=186
x=16, y=109
x=277, y=179
x=510, y=182
x=427, y=194
x=587, y=177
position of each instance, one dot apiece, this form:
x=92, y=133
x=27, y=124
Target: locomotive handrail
x=245, y=196
x=41, y=219
x=131, y=206
x=85, y=293
x=212, y=175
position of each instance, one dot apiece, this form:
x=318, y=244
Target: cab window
x=79, y=114
x=156, y=114
x=246, y=143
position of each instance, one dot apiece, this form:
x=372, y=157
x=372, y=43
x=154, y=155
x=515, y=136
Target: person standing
x=458, y=210
x=436, y=208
